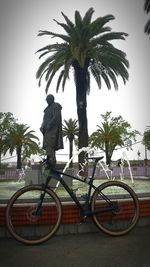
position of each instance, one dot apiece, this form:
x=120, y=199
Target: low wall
x=71, y=219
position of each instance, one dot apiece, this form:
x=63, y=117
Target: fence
x=139, y=171
x=9, y=174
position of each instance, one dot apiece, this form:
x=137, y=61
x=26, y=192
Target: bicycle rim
x=22, y=221
x=122, y=215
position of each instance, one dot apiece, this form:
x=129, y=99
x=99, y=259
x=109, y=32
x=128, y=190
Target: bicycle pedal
x=83, y=219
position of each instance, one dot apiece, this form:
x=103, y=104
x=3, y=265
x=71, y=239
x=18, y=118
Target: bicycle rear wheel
x=22, y=220
x=115, y=208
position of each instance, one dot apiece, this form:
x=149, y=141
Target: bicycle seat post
x=96, y=159
x=94, y=168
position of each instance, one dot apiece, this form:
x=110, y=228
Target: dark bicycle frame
x=86, y=208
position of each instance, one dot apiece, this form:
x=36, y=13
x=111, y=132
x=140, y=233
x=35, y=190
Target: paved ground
x=86, y=250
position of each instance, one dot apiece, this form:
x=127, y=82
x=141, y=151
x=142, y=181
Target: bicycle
x=34, y=213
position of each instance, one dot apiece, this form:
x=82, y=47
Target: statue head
x=50, y=99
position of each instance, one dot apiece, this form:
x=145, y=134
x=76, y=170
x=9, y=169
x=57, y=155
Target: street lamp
x=145, y=156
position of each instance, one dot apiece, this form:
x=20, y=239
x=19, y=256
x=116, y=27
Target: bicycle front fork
x=42, y=196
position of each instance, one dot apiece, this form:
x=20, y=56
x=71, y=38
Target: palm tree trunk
x=81, y=91
x=70, y=152
x=83, y=129
x=108, y=157
x=19, y=162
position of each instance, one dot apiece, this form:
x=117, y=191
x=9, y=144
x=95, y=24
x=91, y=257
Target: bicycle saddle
x=96, y=158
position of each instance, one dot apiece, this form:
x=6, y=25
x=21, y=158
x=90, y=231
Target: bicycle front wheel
x=24, y=222
x=115, y=208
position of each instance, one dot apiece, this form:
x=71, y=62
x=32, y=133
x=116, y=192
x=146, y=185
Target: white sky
x=20, y=22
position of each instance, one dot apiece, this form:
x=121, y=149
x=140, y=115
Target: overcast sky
x=20, y=22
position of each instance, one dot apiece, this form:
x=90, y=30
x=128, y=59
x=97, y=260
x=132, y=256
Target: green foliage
x=6, y=124
x=22, y=141
x=86, y=44
x=146, y=138
x=114, y=132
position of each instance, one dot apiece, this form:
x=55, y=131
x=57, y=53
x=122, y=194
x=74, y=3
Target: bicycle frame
x=58, y=175
x=85, y=209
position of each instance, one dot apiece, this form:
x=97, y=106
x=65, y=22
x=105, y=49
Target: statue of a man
x=51, y=129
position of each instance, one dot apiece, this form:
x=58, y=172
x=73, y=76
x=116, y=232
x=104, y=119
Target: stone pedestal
x=67, y=179
x=33, y=176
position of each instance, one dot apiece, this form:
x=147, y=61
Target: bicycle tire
x=124, y=217
x=21, y=220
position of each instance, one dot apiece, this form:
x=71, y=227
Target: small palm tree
x=106, y=138
x=112, y=133
x=147, y=10
x=70, y=131
x=86, y=48
x=21, y=140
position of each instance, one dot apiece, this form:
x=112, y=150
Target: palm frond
x=59, y=80
x=65, y=27
x=49, y=80
x=69, y=22
x=51, y=48
x=96, y=74
x=103, y=39
x=97, y=25
x=87, y=17
x=41, y=76
x=106, y=79
x=147, y=10
x=78, y=20
x=44, y=66
x=147, y=6
x=53, y=34
x=113, y=78
x=147, y=27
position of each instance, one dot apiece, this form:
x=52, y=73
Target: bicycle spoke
x=29, y=224
x=120, y=214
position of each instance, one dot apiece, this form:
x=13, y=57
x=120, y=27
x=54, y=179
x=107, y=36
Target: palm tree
x=70, y=131
x=147, y=10
x=112, y=133
x=106, y=138
x=87, y=49
x=21, y=140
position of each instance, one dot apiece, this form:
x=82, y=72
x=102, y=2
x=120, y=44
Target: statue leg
x=51, y=157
